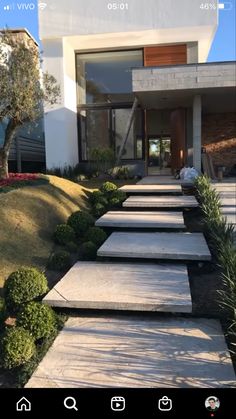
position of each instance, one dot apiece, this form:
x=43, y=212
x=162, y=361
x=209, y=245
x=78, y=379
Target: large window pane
x=107, y=76
x=106, y=128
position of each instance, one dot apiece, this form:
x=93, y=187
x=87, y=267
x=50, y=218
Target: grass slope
x=28, y=217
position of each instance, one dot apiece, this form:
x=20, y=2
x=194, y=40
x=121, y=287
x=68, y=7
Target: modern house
x=27, y=152
x=134, y=78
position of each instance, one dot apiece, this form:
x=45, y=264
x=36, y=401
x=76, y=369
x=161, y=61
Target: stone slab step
x=133, y=351
x=230, y=214
x=174, y=246
x=160, y=189
x=163, y=180
x=123, y=286
x=160, y=202
x=136, y=219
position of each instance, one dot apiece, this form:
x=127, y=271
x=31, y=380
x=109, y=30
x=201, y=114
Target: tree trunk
x=5, y=150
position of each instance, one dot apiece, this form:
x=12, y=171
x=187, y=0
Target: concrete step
x=173, y=246
x=163, y=180
x=160, y=202
x=134, y=351
x=140, y=219
x=160, y=189
x=230, y=214
x=123, y=286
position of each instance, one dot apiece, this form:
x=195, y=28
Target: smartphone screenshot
x=118, y=208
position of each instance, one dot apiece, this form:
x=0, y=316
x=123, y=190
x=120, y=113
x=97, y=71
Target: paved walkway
x=134, y=350
x=227, y=192
x=157, y=189
x=171, y=246
x=131, y=351
x=160, y=202
x=141, y=219
x=123, y=286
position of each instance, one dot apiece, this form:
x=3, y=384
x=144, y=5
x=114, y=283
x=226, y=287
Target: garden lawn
x=28, y=217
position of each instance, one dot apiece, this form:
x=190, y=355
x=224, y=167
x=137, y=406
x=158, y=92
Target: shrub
x=38, y=319
x=88, y=251
x=64, y=234
x=95, y=235
x=97, y=197
x=107, y=188
x=23, y=286
x=17, y=347
x=71, y=247
x=80, y=221
x=60, y=261
x=98, y=210
x=2, y=310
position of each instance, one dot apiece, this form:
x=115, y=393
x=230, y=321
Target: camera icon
x=165, y=404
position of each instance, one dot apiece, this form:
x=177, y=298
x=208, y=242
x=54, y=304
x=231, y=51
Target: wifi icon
x=42, y=6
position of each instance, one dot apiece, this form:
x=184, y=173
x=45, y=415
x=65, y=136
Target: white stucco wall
x=60, y=120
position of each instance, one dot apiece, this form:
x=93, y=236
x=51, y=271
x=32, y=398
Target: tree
x=23, y=88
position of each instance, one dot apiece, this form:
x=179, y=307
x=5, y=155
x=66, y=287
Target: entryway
x=159, y=155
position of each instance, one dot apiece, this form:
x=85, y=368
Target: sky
x=223, y=47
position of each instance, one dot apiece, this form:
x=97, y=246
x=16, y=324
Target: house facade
x=134, y=78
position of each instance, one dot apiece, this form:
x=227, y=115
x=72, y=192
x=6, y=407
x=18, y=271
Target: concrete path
x=173, y=246
x=134, y=351
x=157, y=189
x=160, y=202
x=230, y=214
x=135, y=219
x=123, y=286
x=163, y=180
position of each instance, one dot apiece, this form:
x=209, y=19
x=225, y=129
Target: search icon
x=70, y=403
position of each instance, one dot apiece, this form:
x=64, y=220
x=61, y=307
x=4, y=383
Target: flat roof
x=19, y=30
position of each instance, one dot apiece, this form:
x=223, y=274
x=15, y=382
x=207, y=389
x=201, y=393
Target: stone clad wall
x=219, y=138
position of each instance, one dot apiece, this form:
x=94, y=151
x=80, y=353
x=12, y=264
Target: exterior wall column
x=197, y=131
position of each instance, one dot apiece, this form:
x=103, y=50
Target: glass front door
x=159, y=155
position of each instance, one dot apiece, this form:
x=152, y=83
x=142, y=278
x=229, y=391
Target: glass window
x=106, y=77
x=106, y=128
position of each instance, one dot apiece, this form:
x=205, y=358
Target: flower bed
x=18, y=177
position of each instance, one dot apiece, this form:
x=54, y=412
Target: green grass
x=28, y=217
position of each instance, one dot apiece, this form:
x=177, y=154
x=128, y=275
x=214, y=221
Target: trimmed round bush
x=95, y=235
x=98, y=210
x=80, y=222
x=72, y=247
x=2, y=310
x=108, y=187
x=64, y=234
x=23, y=286
x=88, y=251
x=17, y=347
x=38, y=319
x=120, y=195
x=60, y=261
x=97, y=197
x=115, y=202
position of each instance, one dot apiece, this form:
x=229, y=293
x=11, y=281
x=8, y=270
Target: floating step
x=123, y=286
x=160, y=202
x=136, y=219
x=173, y=246
x=163, y=180
x=133, y=351
x=161, y=189
x=230, y=214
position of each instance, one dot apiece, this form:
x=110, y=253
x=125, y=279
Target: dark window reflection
x=106, y=77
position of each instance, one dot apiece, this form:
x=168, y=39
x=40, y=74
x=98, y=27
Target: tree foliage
x=23, y=88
